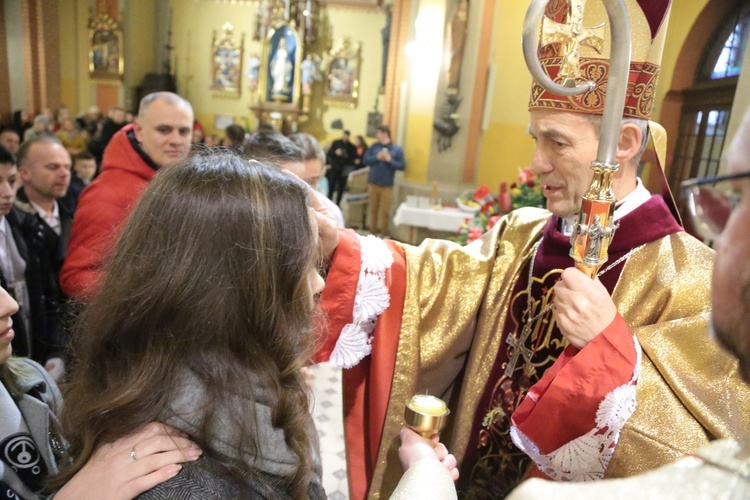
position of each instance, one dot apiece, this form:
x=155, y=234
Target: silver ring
x=132, y=454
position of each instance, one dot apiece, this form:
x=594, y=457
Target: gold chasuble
x=459, y=306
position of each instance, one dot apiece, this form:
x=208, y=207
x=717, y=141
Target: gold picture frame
x=357, y=4
x=226, y=63
x=280, y=65
x=106, y=60
x=342, y=73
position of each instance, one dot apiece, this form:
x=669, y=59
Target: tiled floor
x=328, y=416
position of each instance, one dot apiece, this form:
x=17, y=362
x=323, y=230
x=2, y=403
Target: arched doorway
x=707, y=103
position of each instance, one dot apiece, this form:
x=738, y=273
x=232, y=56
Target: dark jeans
x=337, y=179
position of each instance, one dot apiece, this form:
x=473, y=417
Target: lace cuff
x=371, y=299
x=587, y=457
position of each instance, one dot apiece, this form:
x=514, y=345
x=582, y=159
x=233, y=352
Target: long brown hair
x=210, y=273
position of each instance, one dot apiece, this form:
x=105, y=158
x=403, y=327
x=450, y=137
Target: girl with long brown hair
x=204, y=322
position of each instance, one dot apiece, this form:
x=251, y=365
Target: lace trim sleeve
x=587, y=457
x=371, y=299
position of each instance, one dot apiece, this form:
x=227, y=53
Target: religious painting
x=105, y=48
x=342, y=73
x=281, y=65
x=362, y=4
x=226, y=63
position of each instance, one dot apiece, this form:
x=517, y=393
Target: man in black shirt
x=341, y=156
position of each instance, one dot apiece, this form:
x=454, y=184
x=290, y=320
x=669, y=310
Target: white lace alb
x=371, y=299
x=587, y=457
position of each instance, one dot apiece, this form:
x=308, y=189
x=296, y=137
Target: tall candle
x=434, y=190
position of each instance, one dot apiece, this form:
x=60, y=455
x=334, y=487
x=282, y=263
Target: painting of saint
x=226, y=63
x=341, y=77
x=226, y=72
x=105, y=53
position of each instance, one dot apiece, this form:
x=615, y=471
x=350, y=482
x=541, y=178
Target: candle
x=428, y=405
x=434, y=190
x=426, y=414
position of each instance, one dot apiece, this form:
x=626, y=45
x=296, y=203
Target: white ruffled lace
x=371, y=299
x=587, y=457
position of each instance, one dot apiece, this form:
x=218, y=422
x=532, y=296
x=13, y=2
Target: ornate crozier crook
x=595, y=226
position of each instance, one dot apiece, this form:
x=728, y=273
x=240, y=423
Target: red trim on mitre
x=639, y=98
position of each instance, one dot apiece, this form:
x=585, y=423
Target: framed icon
x=226, y=63
x=105, y=48
x=342, y=74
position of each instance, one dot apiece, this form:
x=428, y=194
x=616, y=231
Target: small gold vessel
x=426, y=415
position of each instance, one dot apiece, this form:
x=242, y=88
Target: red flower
x=474, y=234
x=481, y=193
x=531, y=183
x=526, y=175
x=492, y=221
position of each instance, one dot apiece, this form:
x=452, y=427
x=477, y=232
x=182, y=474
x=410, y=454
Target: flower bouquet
x=525, y=192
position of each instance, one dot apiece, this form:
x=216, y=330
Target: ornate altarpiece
x=286, y=28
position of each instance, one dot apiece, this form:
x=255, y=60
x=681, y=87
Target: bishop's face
x=730, y=293
x=566, y=144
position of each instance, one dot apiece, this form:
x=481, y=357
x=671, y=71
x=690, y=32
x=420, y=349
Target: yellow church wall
x=418, y=145
x=193, y=24
x=140, y=30
x=425, y=55
x=68, y=54
x=361, y=26
x=75, y=85
x=505, y=145
x=682, y=17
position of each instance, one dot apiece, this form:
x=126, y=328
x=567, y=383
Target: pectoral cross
x=519, y=348
x=572, y=36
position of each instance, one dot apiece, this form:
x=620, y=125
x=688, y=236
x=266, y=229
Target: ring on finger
x=133, y=455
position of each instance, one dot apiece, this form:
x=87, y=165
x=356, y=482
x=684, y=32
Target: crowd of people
x=49, y=264
x=102, y=281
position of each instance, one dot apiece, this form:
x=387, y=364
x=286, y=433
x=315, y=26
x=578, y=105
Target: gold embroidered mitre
x=574, y=48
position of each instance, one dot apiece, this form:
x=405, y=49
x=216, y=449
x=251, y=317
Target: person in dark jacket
x=81, y=175
x=341, y=157
x=44, y=225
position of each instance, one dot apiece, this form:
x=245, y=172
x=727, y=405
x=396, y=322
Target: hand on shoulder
x=132, y=465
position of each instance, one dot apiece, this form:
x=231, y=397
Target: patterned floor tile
x=328, y=417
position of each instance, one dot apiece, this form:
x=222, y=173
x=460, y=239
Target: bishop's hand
x=327, y=231
x=584, y=307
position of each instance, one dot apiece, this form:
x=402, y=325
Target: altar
x=446, y=220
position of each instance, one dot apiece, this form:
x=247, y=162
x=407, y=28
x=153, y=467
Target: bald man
x=159, y=138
